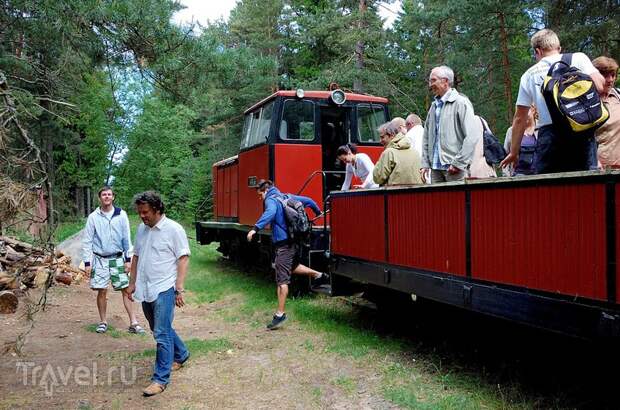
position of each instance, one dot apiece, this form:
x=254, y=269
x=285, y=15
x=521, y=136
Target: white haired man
x=450, y=135
x=555, y=152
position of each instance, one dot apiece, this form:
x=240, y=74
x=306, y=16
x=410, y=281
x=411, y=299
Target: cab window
x=297, y=120
x=369, y=118
x=256, y=126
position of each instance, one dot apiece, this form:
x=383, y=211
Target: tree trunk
x=359, y=48
x=506, y=66
x=8, y=302
x=89, y=207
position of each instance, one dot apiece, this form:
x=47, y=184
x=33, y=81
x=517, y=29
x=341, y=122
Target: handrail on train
x=325, y=196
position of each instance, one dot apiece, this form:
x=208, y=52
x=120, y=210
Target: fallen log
x=8, y=302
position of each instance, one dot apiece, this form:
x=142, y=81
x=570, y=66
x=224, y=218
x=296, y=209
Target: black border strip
x=610, y=219
x=560, y=313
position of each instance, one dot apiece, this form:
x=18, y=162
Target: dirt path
x=242, y=366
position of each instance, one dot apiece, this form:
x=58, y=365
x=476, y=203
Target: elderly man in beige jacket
x=397, y=165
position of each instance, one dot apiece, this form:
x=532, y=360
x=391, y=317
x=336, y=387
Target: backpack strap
x=567, y=58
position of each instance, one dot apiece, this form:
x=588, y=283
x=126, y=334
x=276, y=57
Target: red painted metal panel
x=550, y=238
x=254, y=162
x=227, y=191
x=294, y=164
x=214, y=190
x=358, y=227
x=426, y=230
x=220, y=192
x=234, y=191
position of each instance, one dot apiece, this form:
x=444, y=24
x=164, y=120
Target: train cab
x=290, y=137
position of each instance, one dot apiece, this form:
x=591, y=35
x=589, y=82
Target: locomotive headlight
x=338, y=97
x=299, y=93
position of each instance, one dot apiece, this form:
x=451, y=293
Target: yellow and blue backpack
x=572, y=99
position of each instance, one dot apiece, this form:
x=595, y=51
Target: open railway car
x=290, y=137
x=540, y=250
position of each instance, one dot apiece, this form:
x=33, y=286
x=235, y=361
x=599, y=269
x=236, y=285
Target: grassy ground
x=404, y=380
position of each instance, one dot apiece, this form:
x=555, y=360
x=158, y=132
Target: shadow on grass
x=477, y=359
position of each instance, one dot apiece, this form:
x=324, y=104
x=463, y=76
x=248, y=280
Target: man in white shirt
x=415, y=132
x=158, y=269
x=106, y=255
x=555, y=152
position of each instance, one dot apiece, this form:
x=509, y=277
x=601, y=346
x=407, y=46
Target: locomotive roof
x=320, y=95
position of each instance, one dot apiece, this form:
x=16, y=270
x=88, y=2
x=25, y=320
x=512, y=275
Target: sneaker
x=276, y=322
x=102, y=327
x=324, y=279
x=137, y=329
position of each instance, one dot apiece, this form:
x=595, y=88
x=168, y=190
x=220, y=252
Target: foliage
x=112, y=92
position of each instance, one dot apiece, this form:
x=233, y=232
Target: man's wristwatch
x=179, y=291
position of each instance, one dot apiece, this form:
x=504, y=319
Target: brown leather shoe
x=153, y=389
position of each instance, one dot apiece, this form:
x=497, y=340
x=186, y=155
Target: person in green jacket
x=397, y=165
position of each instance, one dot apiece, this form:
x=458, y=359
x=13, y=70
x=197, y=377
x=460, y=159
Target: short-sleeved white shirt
x=531, y=83
x=158, y=249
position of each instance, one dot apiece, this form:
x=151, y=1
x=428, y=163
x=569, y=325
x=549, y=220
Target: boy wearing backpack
x=286, y=247
x=558, y=148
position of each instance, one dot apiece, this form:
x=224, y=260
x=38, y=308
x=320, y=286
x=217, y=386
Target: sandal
x=102, y=327
x=136, y=329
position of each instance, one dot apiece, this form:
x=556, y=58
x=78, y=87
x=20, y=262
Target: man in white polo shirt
x=556, y=151
x=158, y=269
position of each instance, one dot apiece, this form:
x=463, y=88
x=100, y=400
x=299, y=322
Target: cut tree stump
x=8, y=302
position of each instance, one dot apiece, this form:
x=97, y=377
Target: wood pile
x=25, y=266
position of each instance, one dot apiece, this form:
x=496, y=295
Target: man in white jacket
x=106, y=256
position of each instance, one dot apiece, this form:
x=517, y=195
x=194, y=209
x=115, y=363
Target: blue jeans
x=558, y=151
x=170, y=347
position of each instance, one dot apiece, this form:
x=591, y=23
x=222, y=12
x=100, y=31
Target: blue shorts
x=560, y=152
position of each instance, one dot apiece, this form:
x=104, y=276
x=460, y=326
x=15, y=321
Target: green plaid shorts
x=108, y=270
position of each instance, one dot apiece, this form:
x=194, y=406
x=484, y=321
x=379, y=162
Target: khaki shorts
x=287, y=259
x=108, y=270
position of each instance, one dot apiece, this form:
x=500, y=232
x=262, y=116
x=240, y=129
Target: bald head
x=412, y=120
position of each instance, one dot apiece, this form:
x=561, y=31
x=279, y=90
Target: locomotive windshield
x=297, y=120
x=369, y=118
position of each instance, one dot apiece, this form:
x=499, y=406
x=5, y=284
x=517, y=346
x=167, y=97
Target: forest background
x=109, y=91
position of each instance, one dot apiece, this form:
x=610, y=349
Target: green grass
x=196, y=347
x=347, y=384
x=66, y=229
x=113, y=332
x=415, y=385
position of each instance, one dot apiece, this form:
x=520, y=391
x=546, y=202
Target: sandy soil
x=64, y=365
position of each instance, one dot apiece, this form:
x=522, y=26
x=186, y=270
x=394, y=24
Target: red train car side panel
x=234, y=191
x=550, y=238
x=427, y=230
x=226, y=211
x=359, y=228
x=252, y=163
x=294, y=163
x=216, y=190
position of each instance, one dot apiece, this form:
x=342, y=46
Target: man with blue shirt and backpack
x=564, y=144
x=283, y=229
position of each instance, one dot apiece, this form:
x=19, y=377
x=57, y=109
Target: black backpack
x=572, y=98
x=494, y=152
x=297, y=222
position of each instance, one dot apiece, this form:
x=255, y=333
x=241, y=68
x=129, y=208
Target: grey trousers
x=440, y=175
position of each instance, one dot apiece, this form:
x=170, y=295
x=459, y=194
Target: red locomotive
x=540, y=250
